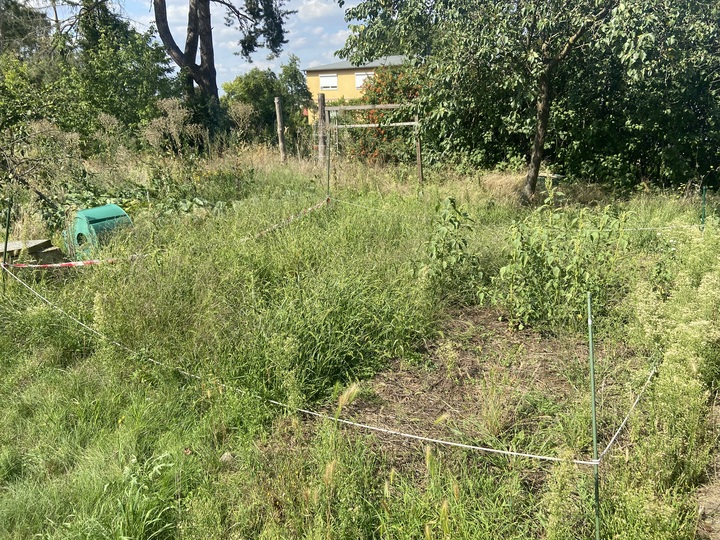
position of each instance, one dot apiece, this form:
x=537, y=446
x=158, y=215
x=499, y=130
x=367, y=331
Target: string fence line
x=357, y=205
x=287, y=221
x=95, y=262
x=639, y=229
x=315, y=414
x=624, y=229
x=72, y=264
x=627, y=416
x=378, y=429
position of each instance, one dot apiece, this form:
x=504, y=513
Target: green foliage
x=557, y=255
x=23, y=97
x=257, y=90
x=107, y=68
x=122, y=76
x=648, y=81
x=97, y=442
x=454, y=501
x=115, y=70
x=632, y=101
x=22, y=28
x=383, y=144
x=451, y=269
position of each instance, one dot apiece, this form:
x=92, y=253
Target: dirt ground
x=475, y=386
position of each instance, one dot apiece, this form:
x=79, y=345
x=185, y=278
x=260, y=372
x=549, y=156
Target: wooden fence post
x=280, y=128
x=321, y=128
x=418, y=150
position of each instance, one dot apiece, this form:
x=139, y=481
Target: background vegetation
x=101, y=440
x=448, y=311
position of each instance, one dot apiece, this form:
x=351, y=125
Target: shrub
x=557, y=255
x=451, y=271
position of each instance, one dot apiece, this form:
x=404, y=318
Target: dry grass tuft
x=503, y=186
x=28, y=225
x=586, y=194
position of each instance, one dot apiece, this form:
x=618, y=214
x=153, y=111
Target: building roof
x=345, y=64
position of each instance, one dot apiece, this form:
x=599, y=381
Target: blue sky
x=314, y=33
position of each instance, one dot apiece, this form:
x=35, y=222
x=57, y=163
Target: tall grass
x=100, y=442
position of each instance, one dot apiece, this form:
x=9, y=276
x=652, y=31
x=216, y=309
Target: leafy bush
x=557, y=256
x=451, y=270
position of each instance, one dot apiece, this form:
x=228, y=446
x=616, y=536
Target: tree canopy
x=258, y=89
x=500, y=78
x=99, y=65
x=259, y=22
x=22, y=28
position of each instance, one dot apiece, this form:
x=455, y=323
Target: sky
x=313, y=34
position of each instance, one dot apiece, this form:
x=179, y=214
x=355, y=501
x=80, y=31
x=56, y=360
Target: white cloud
x=338, y=38
x=314, y=33
x=177, y=12
x=311, y=10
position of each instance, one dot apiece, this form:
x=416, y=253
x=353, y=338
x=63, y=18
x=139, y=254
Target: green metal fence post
x=594, y=417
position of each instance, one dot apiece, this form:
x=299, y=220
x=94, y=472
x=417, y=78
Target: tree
x=260, y=23
x=259, y=88
x=519, y=41
x=22, y=28
x=295, y=92
x=106, y=67
x=117, y=70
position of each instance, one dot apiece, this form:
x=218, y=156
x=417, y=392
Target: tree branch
x=239, y=15
x=581, y=31
x=166, y=35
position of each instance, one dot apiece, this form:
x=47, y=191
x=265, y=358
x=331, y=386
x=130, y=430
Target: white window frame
x=365, y=75
x=326, y=81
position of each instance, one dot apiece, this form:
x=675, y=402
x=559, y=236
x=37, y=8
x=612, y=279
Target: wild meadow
x=446, y=311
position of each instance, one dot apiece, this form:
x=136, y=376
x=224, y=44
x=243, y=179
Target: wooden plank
x=393, y=124
x=280, y=128
x=31, y=246
x=321, y=128
x=418, y=152
x=364, y=107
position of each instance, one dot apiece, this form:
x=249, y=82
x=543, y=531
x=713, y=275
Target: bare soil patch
x=483, y=383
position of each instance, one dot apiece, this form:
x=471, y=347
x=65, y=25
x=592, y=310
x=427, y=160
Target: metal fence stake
x=594, y=417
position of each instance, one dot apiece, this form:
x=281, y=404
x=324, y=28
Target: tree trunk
x=536, y=154
x=191, y=48
x=199, y=31
x=208, y=74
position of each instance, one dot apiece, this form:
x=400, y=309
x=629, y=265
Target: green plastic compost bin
x=91, y=227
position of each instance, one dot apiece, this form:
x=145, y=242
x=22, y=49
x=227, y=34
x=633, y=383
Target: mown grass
x=100, y=442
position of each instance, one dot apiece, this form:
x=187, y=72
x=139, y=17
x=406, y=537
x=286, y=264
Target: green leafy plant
x=451, y=270
x=557, y=255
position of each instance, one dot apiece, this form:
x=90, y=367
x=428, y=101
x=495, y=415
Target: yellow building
x=343, y=80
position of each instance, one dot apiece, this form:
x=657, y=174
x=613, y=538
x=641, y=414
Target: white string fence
x=322, y=416
x=367, y=427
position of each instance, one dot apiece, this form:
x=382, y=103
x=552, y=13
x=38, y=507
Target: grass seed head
x=329, y=472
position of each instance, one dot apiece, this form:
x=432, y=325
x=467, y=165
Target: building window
x=328, y=82
x=360, y=79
